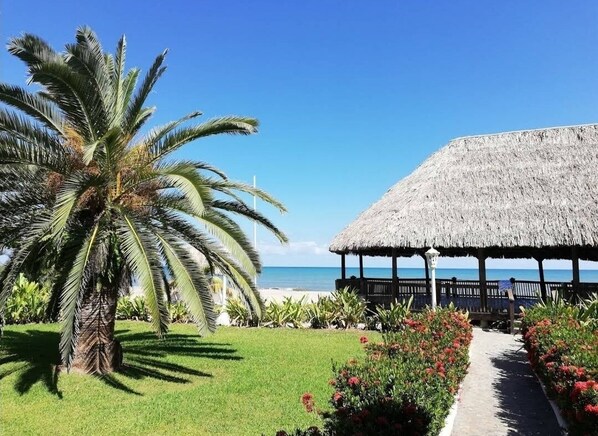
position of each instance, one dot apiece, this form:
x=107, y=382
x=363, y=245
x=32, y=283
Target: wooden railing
x=465, y=294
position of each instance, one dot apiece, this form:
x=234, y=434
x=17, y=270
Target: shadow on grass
x=33, y=355
x=524, y=408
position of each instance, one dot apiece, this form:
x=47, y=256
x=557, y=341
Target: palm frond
x=134, y=117
x=240, y=208
x=217, y=126
x=139, y=249
x=35, y=105
x=190, y=282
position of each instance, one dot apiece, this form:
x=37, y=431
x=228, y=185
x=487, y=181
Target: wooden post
x=575, y=262
x=343, y=269
x=542, y=281
x=483, y=288
x=395, y=281
x=361, y=284
x=427, y=275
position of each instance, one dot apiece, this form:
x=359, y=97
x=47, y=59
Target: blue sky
x=351, y=96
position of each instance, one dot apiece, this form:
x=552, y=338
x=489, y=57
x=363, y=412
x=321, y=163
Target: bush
x=27, y=303
x=132, y=308
x=349, y=307
x=289, y=313
x=239, y=313
x=322, y=314
x=406, y=384
x=392, y=319
x=179, y=313
x=562, y=346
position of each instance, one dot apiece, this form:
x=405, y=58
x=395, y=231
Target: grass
x=236, y=382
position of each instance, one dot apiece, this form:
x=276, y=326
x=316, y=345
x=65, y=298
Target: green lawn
x=236, y=382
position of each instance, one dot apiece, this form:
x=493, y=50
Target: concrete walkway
x=501, y=395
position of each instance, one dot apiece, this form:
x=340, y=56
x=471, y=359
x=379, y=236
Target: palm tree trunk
x=97, y=351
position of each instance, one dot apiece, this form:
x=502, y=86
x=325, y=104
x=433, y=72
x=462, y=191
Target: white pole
x=255, y=224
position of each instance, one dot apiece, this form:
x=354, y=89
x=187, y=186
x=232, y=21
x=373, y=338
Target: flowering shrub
x=405, y=385
x=564, y=353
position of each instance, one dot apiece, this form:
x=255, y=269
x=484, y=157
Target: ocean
x=322, y=278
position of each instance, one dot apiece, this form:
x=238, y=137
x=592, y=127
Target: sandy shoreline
x=278, y=294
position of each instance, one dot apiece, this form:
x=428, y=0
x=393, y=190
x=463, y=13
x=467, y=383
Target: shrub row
x=343, y=309
x=562, y=346
x=406, y=384
x=135, y=308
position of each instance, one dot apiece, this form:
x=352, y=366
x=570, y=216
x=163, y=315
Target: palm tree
x=87, y=192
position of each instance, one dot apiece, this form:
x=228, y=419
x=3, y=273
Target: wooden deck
x=492, y=305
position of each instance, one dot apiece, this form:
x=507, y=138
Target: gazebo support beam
x=343, y=268
x=361, y=281
x=427, y=274
x=395, y=281
x=483, y=287
x=575, y=264
x=542, y=281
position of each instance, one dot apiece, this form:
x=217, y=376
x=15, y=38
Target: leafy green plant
x=132, y=308
x=322, y=313
x=239, y=313
x=588, y=311
x=179, y=312
x=350, y=308
x=392, y=319
x=289, y=313
x=27, y=303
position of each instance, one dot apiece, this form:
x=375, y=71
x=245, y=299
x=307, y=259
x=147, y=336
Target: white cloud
x=295, y=248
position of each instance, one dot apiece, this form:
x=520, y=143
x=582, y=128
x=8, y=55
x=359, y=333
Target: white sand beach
x=278, y=294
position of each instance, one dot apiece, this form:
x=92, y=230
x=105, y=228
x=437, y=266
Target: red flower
x=591, y=408
x=353, y=381
x=308, y=401
x=363, y=340
x=337, y=396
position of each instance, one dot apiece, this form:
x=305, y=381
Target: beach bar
x=519, y=195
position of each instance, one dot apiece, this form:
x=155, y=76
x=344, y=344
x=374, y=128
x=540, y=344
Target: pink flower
x=363, y=340
x=353, y=381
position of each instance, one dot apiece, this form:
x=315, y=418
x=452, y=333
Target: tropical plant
x=132, y=308
x=27, y=303
x=239, y=313
x=87, y=190
x=178, y=312
x=349, y=306
x=289, y=313
x=322, y=313
x=392, y=319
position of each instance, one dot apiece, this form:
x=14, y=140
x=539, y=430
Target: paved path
x=501, y=396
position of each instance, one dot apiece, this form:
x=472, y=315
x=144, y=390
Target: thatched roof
x=516, y=194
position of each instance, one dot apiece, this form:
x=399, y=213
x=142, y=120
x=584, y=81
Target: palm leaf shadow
x=33, y=356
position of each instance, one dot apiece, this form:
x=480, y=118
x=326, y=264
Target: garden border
x=555, y=408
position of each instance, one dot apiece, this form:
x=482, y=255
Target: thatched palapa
x=519, y=194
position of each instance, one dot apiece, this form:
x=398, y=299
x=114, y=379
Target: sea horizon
x=322, y=278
